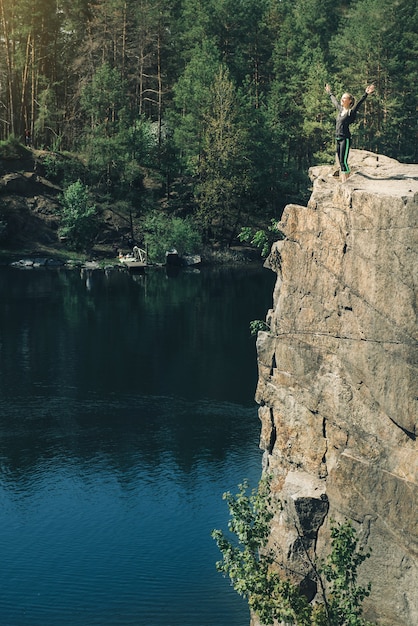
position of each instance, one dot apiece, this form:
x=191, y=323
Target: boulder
x=27, y=183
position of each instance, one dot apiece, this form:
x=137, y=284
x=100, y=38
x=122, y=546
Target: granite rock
x=338, y=377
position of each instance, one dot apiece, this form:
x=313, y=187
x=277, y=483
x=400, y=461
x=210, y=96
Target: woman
x=347, y=111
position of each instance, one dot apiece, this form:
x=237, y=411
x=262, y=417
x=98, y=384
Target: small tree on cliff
x=248, y=563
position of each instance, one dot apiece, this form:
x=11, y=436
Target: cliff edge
x=338, y=383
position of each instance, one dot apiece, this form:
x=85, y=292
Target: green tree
x=250, y=564
x=151, y=63
x=284, y=112
x=164, y=232
x=345, y=597
x=224, y=172
x=243, y=37
x=31, y=54
x=115, y=146
x=399, y=119
x=192, y=98
x=78, y=218
x=193, y=26
x=102, y=98
x=261, y=238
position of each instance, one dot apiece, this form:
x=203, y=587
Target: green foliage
x=341, y=570
x=258, y=325
x=192, y=97
x=63, y=169
x=103, y=97
x=78, y=221
x=224, y=169
x=117, y=145
x=249, y=563
x=163, y=232
x=46, y=119
x=262, y=238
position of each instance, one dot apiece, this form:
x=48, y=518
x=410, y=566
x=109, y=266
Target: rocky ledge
x=338, y=378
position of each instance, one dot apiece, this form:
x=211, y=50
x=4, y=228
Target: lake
x=126, y=411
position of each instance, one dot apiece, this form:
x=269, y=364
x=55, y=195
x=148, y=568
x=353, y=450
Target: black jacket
x=342, y=127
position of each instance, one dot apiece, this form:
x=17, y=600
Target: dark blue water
x=126, y=410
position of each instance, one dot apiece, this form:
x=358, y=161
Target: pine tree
x=223, y=171
x=192, y=98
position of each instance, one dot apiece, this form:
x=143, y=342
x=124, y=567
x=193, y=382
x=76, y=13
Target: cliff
x=338, y=385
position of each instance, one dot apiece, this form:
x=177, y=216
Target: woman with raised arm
x=347, y=112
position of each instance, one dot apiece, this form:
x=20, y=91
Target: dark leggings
x=343, y=148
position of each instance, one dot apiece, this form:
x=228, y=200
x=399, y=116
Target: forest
x=207, y=110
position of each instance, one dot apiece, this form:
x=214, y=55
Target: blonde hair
x=348, y=95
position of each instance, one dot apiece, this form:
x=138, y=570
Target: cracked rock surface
x=338, y=377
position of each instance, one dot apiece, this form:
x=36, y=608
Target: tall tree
x=7, y=22
x=402, y=40
x=154, y=50
x=31, y=41
x=103, y=101
x=243, y=38
x=192, y=98
x=224, y=169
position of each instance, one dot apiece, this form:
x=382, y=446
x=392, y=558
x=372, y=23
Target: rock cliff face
x=338, y=383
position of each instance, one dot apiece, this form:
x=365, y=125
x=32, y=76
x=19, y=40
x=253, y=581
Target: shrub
x=163, y=232
x=78, y=223
x=261, y=239
x=257, y=326
x=249, y=564
x=63, y=169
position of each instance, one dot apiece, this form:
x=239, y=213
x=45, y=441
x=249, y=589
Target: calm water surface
x=126, y=410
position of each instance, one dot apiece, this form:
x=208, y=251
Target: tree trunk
x=9, y=66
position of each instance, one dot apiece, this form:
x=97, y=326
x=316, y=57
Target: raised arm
x=333, y=98
x=369, y=90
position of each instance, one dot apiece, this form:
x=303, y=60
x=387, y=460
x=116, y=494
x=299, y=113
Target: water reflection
x=126, y=409
x=143, y=427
